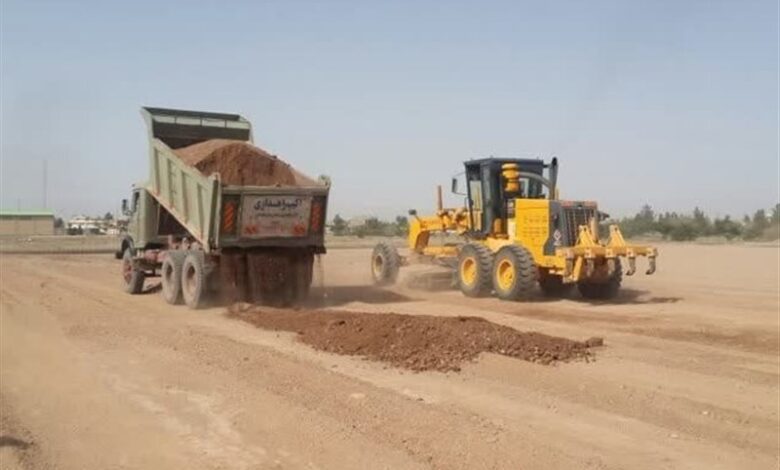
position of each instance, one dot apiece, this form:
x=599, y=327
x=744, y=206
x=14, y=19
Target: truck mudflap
x=589, y=258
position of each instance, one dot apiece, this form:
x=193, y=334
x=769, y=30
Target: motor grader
x=514, y=233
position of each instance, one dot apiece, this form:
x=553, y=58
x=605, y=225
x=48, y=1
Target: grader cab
x=515, y=233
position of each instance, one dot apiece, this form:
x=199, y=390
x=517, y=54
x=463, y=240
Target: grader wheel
x=603, y=290
x=514, y=273
x=474, y=263
x=385, y=263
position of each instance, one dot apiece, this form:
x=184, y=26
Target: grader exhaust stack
x=516, y=233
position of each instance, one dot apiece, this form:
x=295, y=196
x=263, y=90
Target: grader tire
x=474, y=266
x=603, y=290
x=193, y=280
x=170, y=274
x=133, y=278
x=553, y=286
x=385, y=264
x=514, y=273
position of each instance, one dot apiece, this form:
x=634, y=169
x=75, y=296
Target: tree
x=646, y=214
x=701, y=223
x=339, y=226
x=59, y=223
x=757, y=226
x=727, y=227
x=108, y=216
x=401, y=226
x=373, y=226
x=775, y=217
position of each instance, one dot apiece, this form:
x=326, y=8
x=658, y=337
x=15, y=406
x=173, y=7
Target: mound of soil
x=416, y=342
x=241, y=163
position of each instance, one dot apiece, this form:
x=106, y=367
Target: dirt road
x=689, y=376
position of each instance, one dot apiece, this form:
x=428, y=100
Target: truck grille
x=574, y=217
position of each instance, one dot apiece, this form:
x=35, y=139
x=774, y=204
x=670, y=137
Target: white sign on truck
x=275, y=216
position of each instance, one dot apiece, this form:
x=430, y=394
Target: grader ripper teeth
x=515, y=232
x=587, y=251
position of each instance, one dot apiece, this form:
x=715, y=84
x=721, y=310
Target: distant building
x=82, y=224
x=26, y=222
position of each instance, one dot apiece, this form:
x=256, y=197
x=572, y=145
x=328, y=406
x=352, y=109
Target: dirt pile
x=416, y=342
x=241, y=163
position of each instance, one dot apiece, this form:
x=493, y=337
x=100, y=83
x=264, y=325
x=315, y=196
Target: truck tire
x=193, y=280
x=553, y=286
x=171, y=273
x=474, y=264
x=133, y=278
x=385, y=263
x=603, y=290
x=514, y=273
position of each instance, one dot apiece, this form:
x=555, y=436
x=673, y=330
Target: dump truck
x=514, y=233
x=202, y=235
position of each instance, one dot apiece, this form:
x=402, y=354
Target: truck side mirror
x=125, y=211
x=455, y=185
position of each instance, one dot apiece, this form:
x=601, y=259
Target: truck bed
x=218, y=215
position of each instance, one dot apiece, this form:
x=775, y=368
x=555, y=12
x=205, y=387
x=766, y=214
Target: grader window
x=475, y=188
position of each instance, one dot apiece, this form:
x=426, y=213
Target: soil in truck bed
x=242, y=164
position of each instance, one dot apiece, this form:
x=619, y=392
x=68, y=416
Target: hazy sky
x=670, y=103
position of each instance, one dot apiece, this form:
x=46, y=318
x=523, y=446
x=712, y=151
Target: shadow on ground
x=340, y=295
x=632, y=297
x=10, y=441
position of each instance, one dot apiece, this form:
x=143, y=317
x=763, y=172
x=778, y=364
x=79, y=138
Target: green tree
x=727, y=228
x=339, y=226
x=774, y=219
x=401, y=226
x=757, y=226
x=373, y=226
x=108, y=216
x=701, y=223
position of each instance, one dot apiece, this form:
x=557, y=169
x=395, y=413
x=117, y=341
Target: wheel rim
x=377, y=265
x=189, y=281
x=468, y=271
x=505, y=274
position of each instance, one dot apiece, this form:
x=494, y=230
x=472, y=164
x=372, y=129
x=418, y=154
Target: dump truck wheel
x=474, y=265
x=193, y=280
x=385, y=263
x=514, y=273
x=554, y=287
x=133, y=278
x=171, y=273
x=603, y=290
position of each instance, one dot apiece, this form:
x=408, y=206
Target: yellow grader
x=514, y=233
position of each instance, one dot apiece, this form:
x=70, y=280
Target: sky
x=668, y=103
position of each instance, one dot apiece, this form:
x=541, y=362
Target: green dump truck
x=201, y=235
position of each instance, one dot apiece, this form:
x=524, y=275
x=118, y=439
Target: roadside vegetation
x=761, y=226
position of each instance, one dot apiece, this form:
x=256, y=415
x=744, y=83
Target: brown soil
x=416, y=342
x=241, y=163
